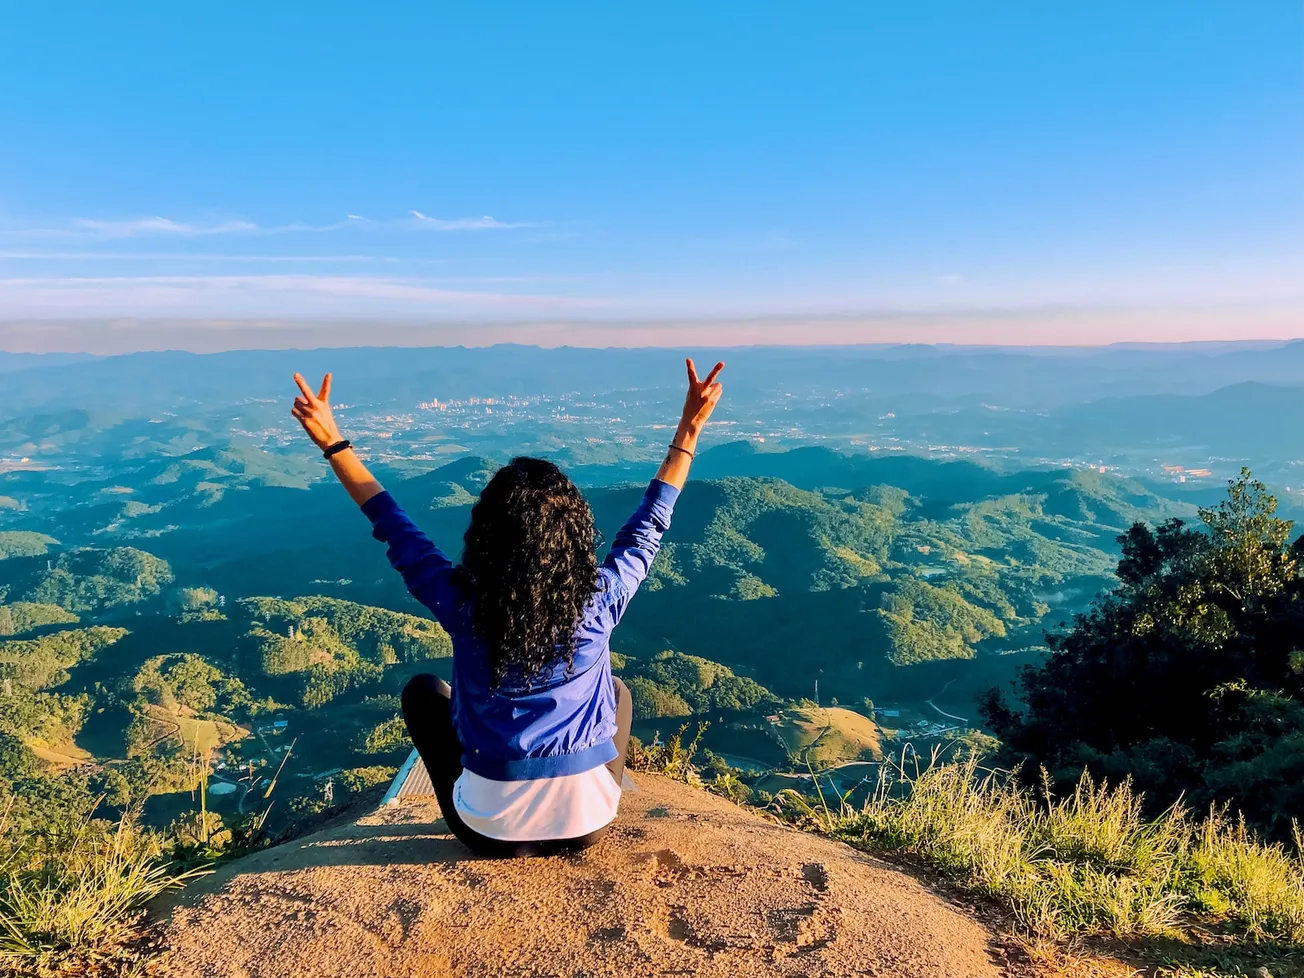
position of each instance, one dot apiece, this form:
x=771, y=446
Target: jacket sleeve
x=426, y=570
x=637, y=543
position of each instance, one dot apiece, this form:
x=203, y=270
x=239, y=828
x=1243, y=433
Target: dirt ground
x=685, y=884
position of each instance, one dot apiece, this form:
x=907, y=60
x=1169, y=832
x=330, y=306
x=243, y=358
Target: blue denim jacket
x=564, y=722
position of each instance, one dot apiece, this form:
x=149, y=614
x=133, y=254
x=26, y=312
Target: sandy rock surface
x=685, y=884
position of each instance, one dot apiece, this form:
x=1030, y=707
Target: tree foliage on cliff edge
x=1188, y=677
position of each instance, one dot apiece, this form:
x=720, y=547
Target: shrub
x=672, y=758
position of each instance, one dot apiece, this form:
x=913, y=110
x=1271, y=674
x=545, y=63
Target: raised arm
x=425, y=568
x=639, y=540
x=636, y=545
x=314, y=413
x=703, y=395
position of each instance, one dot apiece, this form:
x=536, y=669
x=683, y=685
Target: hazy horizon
x=1048, y=329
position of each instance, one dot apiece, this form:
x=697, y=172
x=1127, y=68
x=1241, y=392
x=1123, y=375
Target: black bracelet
x=684, y=450
x=335, y=449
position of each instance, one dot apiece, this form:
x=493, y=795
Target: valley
x=197, y=626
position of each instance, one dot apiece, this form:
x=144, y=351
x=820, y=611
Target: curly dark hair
x=529, y=567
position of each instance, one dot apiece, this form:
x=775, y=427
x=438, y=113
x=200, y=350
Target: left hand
x=314, y=413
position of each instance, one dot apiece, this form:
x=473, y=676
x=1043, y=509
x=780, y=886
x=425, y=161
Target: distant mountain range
x=1199, y=406
x=1014, y=377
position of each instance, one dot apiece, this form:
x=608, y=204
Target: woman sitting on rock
x=526, y=749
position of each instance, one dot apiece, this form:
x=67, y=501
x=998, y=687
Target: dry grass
x=1088, y=864
x=74, y=904
x=194, y=732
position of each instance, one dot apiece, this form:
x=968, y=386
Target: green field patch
x=60, y=755
x=823, y=737
x=192, y=732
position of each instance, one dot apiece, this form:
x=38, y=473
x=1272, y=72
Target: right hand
x=703, y=396
x=314, y=413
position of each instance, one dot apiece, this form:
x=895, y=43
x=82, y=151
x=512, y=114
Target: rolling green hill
x=825, y=736
x=86, y=579
x=248, y=614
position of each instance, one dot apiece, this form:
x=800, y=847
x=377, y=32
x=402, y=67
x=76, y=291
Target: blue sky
x=605, y=173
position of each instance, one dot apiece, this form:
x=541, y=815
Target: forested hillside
x=192, y=615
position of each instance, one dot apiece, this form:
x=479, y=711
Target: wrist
x=684, y=444
x=686, y=434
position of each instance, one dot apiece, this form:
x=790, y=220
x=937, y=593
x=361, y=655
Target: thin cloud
x=202, y=256
x=463, y=223
x=159, y=225
x=84, y=228
x=244, y=295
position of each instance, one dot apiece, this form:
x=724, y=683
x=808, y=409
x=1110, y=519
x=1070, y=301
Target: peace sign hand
x=314, y=413
x=703, y=395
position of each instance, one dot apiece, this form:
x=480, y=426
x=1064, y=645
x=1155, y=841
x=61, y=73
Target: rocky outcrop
x=685, y=884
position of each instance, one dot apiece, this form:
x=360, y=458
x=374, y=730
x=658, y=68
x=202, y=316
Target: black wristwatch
x=335, y=449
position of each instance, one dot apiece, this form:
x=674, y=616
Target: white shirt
x=564, y=807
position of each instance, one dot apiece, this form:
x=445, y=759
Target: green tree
x=113, y=785
x=652, y=700
x=925, y=622
x=42, y=662
x=196, y=598
x=16, y=758
x=387, y=736
x=1187, y=677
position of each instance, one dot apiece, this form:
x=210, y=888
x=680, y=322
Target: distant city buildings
x=1181, y=473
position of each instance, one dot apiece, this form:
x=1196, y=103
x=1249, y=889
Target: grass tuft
x=1260, y=887
x=1087, y=864
x=79, y=897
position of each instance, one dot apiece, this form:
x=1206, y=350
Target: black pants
x=429, y=718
